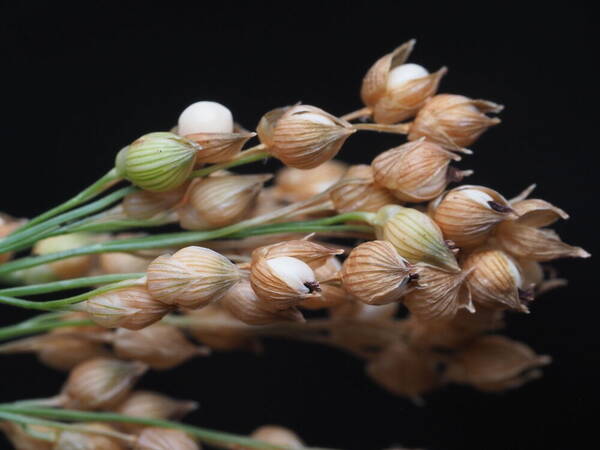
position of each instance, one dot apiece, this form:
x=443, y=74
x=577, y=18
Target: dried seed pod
x=205, y=117
x=61, y=351
x=356, y=310
x=191, y=277
x=218, y=147
x=132, y=307
x=161, y=346
x=277, y=435
x=243, y=303
x=439, y=294
x=64, y=269
x=311, y=253
x=29, y=437
x=454, y=333
x=147, y=204
x=453, y=121
x=415, y=236
x=216, y=202
x=495, y=280
x=100, y=383
x=375, y=274
x=217, y=328
x=164, y=439
x=283, y=281
x=416, y=171
x=495, y=363
x=524, y=241
x=331, y=295
x=158, y=162
x=404, y=371
x=468, y=214
x=152, y=405
x=80, y=440
x=537, y=213
x=122, y=263
x=357, y=192
x=295, y=185
x=303, y=136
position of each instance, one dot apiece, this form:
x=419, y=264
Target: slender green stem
x=247, y=156
x=27, y=420
x=63, y=285
x=26, y=237
x=220, y=439
x=54, y=305
x=168, y=240
x=88, y=193
x=20, y=330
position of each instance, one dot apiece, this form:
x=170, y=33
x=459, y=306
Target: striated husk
x=219, y=201
x=303, y=136
x=495, y=363
x=415, y=236
x=100, y=383
x=358, y=192
x=79, y=440
x=468, y=214
x=416, y=171
x=375, y=274
x=495, y=280
x=295, y=185
x=218, y=147
x=161, y=346
x=191, y=277
x=453, y=121
x=147, y=204
x=152, y=405
x=131, y=307
x=164, y=439
x=438, y=295
x=243, y=303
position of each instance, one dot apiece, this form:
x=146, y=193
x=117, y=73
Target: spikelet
x=152, y=405
x=375, y=274
x=191, y=277
x=164, y=439
x=100, y=383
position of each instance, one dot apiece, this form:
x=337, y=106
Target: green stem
x=247, y=156
x=63, y=285
x=220, y=439
x=54, y=305
x=24, y=238
x=168, y=240
x=88, y=193
x=21, y=330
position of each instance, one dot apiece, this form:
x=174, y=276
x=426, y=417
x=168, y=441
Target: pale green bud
x=157, y=162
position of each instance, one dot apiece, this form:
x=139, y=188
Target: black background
x=80, y=82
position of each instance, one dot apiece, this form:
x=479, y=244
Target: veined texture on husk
x=375, y=274
x=416, y=171
x=158, y=161
x=130, y=307
x=191, y=277
x=415, y=236
x=100, y=383
x=216, y=202
x=495, y=280
x=303, y=136
x=453, y=121
x=468, y=214
x=438, y=295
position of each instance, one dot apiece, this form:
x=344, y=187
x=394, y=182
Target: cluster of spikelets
x=457, y=259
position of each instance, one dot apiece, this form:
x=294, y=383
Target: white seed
x=318, y=118
x=477, y=196
x=405, y=72
x=292, y=272
x=205, y=117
